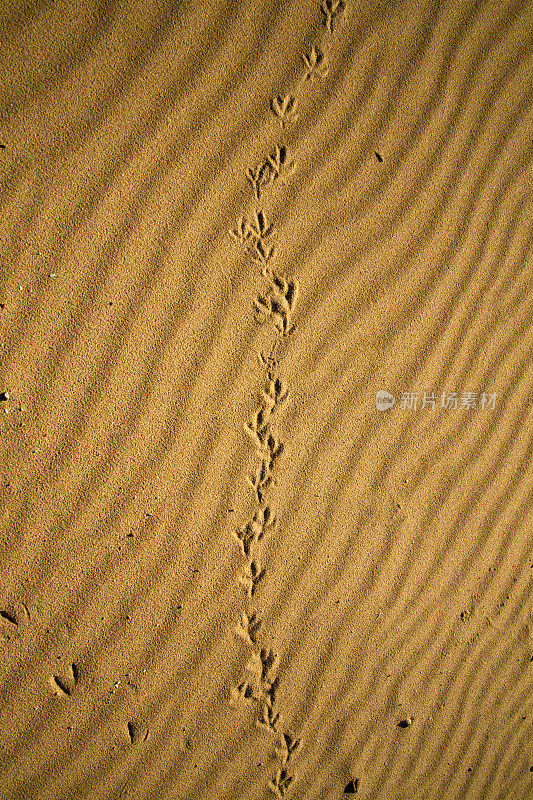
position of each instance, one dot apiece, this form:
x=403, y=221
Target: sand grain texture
x=225, y=574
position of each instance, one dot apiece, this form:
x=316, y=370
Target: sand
x=265, y=401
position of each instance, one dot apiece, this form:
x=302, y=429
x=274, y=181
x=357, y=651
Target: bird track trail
x=275, y=305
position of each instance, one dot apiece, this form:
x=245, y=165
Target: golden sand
x=265, y=401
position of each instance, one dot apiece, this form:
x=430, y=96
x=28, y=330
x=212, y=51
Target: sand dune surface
x=265, y=400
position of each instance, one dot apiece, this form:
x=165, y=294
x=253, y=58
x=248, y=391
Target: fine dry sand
x=228, y=572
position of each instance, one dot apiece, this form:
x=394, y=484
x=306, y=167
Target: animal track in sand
x=248, y=627
x=264, y=666
x=280, y=783
x=274, y=167
x=315, y=64
x=254, y=530
x=287, y=748
x=277, y=303
x=252, y=233
x=331, y=9
x=243, y=693
x=251, y=576
x=285, y=109
x=269, y=719
x=274, y=305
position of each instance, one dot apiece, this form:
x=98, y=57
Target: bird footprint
x=248, y=627
x=284, y=108
x=315, y=64
x=280, y=783
x=287, y=748
x=331, y=9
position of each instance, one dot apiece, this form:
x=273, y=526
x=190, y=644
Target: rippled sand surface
x=265, y=400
